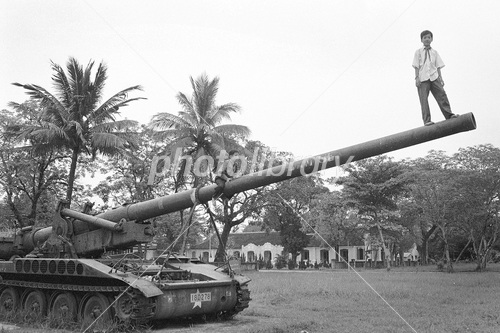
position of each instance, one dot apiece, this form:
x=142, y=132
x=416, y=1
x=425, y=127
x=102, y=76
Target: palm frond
x=185, y=102
x=190, y=118
x=78, y=136
x=98, y=86
x=118, y=125
x=232, y=129
x=106, y=141
x=45, y=98
x=107, y=110
x=86, y=82
x=49, y=133
x=204, y=93
x=108, y=113
x=62, y=85
x=75, y=71
x=222, y=112
x=55, y=116
x=172, y=134
x=165, y=120
x=180, y=143
x=45, y=148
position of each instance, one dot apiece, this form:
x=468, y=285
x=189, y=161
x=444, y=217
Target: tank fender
x=242, y=280
x=148, y=288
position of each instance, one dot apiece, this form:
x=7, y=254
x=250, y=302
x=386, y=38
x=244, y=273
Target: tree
x=239, y=209
x=128, y=183
x=477, y=199
x=246, y=205
x=420, y=229
x=433, y=190
x=31, y=180
x=198, y=131
x=129, y=180
x=287, y=203
x=198, y=128
x=332, y=218
x=73, y=119
x=373, y=187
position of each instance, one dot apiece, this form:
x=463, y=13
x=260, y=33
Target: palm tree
x=198, y=128
x=74, y=119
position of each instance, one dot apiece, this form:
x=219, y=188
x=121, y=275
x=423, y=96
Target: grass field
x=339, y=301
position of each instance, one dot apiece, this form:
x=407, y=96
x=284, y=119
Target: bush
x=280, y=261
x=269, y=264
x=291, y=264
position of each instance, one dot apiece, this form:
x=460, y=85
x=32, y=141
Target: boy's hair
x=232, y=152
x=425, y=32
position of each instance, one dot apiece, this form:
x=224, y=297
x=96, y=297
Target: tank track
x=141, y=309
x=242, y=301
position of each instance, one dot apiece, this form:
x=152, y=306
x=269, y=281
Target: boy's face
x=427, y=40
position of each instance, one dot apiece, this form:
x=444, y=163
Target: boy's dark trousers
x=437, y=90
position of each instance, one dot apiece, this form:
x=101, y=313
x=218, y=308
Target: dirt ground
x=239, y=323
x=7, y=327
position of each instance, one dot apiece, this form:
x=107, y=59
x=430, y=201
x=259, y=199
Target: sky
x=310, y=76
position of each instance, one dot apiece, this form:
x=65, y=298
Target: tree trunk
x=424, y=256
x=72, y=173
x=294, y=261
x=188, y=223
x=386, y=250
x=462, y=252
x=15, y=211
x=449, y=264
x=482, y=254
x=221, y=249
x=402, y=256
x=10, y=197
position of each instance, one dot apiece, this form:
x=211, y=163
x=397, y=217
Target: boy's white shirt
x=429, y=69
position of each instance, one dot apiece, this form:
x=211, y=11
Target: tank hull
x=200, y=291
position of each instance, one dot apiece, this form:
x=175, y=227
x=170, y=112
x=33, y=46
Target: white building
x=255, y=245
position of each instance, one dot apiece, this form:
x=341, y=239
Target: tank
x=66, y=269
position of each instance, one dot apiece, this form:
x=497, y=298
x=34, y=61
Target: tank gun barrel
x=94, y=220
x=183, y=200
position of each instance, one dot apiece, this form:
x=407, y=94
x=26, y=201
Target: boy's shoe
x=429, y=123
x=213, y=201
x=454, y=116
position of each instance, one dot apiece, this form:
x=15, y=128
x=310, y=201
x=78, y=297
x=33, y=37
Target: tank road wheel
x=93, y=309
x=64, y=306
x=124, y=307
x=9, y=300
x=35, y=303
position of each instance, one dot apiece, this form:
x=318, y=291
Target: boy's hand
x=417, y=81
x=441, y=81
